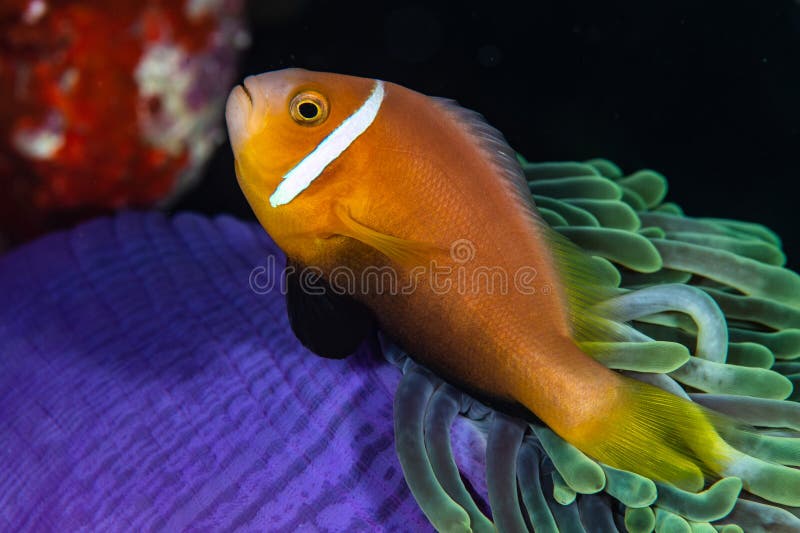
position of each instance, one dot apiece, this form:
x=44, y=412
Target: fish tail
x=673, y=440
x=659, y=435
x=625, y=423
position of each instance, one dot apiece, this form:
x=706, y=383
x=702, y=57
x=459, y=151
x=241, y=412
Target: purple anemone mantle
x=145, y=386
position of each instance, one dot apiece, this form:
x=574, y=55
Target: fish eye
x=309, y=108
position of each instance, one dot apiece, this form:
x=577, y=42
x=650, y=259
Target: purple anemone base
x=144, y=385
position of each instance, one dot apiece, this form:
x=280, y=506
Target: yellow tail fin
x=658, y=435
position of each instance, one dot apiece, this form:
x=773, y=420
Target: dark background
x=707, y=93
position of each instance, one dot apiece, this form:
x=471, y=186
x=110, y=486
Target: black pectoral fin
x=327, y=323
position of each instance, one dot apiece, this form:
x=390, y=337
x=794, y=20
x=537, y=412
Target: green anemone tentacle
x=610, y=213
x=572, y=214
x=530, y=486
x=668, y=522
x=640, y=519
x=712, y=504
x=739, y=265
x=411, y=402
x=578, y=472
x=504, y=442
x=648, y=184
x=583, y=187
x=443, y=409
x=630, y=489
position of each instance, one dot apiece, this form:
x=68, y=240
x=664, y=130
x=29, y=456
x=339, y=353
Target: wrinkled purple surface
x=144, y=386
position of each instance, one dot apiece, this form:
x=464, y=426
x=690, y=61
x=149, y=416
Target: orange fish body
x=356, y=177
x=425, y=177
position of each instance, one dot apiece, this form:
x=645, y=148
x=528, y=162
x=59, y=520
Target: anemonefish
x=352, y=176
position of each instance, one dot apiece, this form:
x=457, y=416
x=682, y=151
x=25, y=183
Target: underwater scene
x=315, y=266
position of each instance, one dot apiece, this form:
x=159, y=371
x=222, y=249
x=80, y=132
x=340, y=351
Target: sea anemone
x=148, y=383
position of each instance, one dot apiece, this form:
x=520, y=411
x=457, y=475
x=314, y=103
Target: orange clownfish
x=351, y=175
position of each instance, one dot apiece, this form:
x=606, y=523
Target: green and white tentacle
x=714, y=318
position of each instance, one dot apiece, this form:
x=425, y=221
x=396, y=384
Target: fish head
x=297, y=141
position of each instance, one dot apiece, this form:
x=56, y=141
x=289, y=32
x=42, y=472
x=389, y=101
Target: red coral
x=72, y=70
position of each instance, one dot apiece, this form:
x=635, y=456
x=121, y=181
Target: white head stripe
x=306, y=171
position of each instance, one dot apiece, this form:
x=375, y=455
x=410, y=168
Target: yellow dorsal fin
x=586, y=281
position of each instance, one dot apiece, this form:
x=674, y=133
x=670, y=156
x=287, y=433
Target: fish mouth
x=247, y=92
x=238, y=113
